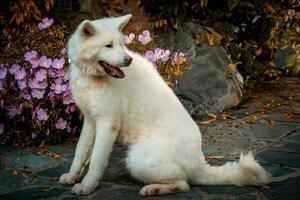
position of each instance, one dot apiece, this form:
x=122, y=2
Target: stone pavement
x=268, y=123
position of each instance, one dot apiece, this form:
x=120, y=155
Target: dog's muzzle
x=127, y=60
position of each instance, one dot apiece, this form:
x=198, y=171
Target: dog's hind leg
x=153, y=166
x=166, y=188
x=82, y=153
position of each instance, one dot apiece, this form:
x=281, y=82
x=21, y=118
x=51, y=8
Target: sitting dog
x=124, y=99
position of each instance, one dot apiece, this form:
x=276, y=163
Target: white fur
x=141, y=111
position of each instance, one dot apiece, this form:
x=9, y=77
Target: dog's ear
x=122, y=21
x=87, y=29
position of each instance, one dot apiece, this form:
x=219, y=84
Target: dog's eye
x=109, y=46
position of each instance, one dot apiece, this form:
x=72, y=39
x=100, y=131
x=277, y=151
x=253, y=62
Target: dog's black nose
x=128, y=60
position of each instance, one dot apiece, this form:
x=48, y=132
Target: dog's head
x=97, y=47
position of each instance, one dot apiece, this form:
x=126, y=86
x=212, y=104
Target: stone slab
x=217, y=150
x=281, y=157
x=225, y=189
x=295, y=138
x=265, y=131
x=276, y=170
x=128, y=194
x=284, y=190
x=33, y=194
x=8, y=181
x=17, y=159
x=55, y=172
x=292, y=147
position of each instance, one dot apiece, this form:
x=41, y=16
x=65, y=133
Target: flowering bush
x=169, y=64
x=35, y=98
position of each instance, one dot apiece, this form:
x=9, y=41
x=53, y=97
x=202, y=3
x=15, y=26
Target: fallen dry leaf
x=47, y=189
x=244, y=122
x=213, y=157
x=198, y=39
x=246, y=113
x=14, y=173
x=262, y=112
x=288, y=116
x=206, y=122
x=258, y=51
x=267, y=105
x=233, y=65
x=224, y=116
x=54, y=155
x=254, y=118
x=271, y=122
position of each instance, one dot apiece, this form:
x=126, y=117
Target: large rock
x=210, y=85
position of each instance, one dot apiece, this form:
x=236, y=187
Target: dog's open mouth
x=111, y=70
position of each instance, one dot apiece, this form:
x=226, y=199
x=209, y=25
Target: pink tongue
x=114, y=72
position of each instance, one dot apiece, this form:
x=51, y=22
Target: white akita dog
x=123, y=98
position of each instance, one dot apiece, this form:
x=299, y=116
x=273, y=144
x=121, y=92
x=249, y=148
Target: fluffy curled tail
x=245, y=172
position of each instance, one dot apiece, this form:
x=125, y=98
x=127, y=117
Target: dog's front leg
x=82, y=153
x=105, y=138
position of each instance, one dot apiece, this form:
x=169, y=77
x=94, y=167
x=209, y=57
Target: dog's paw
x=81, y=189
x=149, y=190
x=67, y=178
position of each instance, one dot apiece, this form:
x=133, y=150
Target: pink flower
x=34, y=62
x=61, y=124
x=45, y=62
x=14, y=111
x=67, y=97
x=70, y=109
x=33, y=135
x=58, y=87
x=46, y=22
x=61, y=74
x=69, y=129
x=58, y=63
x=41, y=75
x=154, y=56
x=165, y=56
x=35, y=84
x=145, y=38
x=22, y=84
x=31, y=57
x=3, y=72
x=20, y=74
x=30, y=54
x=128, y=39
x=41, y=115
x=37, y=93
x=14, y=68
x=63, y=51
x=178, y=58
